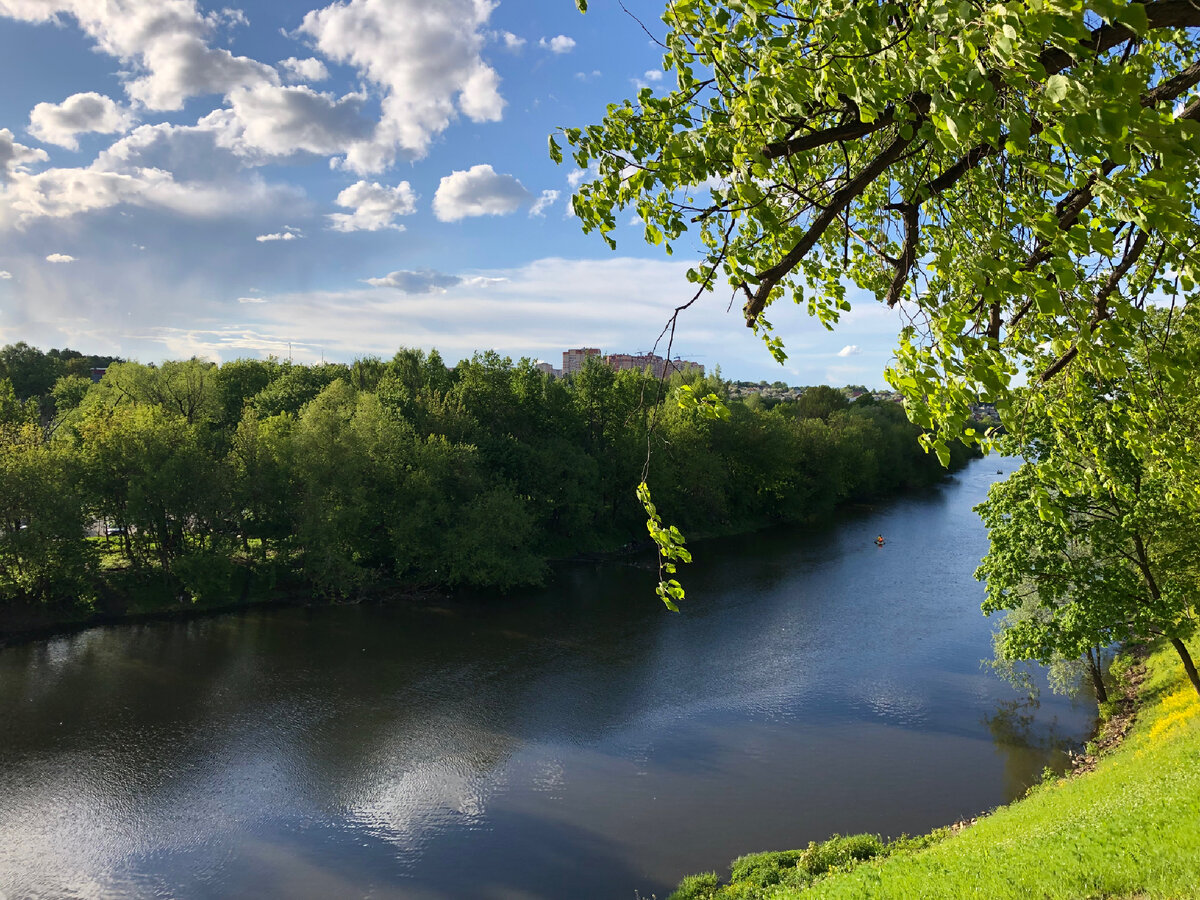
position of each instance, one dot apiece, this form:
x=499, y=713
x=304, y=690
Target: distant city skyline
x=343, y=178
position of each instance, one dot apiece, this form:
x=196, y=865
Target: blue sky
x=340, y=180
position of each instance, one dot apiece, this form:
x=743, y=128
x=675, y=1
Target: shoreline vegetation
x=1123, y=823
x=190, y=487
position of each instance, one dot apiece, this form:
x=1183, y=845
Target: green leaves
x=1056, y=88
x=1027, y=154
x=710, y=406
x=670, y=543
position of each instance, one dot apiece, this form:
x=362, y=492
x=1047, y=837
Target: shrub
x=697, y=887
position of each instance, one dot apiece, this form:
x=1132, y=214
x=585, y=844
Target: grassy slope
x=1129, y=829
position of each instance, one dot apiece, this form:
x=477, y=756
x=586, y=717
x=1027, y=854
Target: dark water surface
x=577, y=742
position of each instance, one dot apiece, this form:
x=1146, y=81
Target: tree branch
x=1163, y=14
x=1102, y=311
x=838, y=202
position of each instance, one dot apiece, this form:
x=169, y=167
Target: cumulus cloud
x=118, y=177
x=557, y=44
x=14, y=157
x=60, y=258
x=59, y=123
x=5, y=276
x=375, y=206
x=542, y=203
x=280, y=121
x=511, y=41
x=425, y=59
x=288, y=234
x=165, y=45
x=650, y=78
x=478, y=191
x=308, y=70
x=849, y=350
x=422, y=281
x=428, y=281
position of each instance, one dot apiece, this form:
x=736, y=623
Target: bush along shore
x=191, y=486
x=1124, y=824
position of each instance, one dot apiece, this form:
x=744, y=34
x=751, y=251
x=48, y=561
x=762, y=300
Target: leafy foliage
x=1019, y=179
x=204, y=482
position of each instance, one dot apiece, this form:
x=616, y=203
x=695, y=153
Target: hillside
x=1130, y=828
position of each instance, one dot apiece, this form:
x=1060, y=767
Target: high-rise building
x=652, y=361
x=573, y=360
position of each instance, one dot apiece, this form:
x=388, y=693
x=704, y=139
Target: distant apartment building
x=652, y=361
x=548, y=369
x=573, y=360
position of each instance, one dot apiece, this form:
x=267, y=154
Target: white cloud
x=164, y=166
x=164, y=43
x=80, y=113
x=288, y=234
x=422, y=281
x=588, y=76
x=110, y=182
x=424, y=57
x=478, y=191
x=60, y=258
x=375, y=206
x=281, y=121
x=309, y=70
x=849, y=350
x=557, y=44
x=251, y=299
x=15, y=157
x=542, y=203
x=5, y=276
x=575, y=177
x=511, y=41
x=650, y=78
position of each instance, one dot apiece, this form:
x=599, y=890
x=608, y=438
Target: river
x=577, y=741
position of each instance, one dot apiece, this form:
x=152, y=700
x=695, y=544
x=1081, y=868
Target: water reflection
x=1029, y=743
x=498, y=747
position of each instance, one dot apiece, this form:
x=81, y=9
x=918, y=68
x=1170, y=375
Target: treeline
x=192, y=482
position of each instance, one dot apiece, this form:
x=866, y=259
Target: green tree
x=239, y=381
x=43, y=554
x=146, y=471
x=31, y=371
x=819, y=402
x=1091, y=543
x=69, y=393
x=1023, y=176
x=185, y=388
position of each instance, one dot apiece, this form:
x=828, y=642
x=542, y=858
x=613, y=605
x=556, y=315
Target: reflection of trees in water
x=1027, y=742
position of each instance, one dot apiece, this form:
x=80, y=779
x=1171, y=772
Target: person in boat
x=879, y=540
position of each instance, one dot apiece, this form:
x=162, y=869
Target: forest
x=166, y=486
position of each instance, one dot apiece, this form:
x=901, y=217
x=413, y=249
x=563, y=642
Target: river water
x=577, y=741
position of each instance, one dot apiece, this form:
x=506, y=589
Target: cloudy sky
x=332, y=181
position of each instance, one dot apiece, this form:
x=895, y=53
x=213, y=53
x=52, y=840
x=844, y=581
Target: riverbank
x=1127, y=824
x=126, y=595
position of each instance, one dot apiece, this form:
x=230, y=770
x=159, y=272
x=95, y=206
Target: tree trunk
x=1093, y=664
x=1188, y=665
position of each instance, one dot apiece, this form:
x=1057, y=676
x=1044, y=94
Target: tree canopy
x=1019, y=178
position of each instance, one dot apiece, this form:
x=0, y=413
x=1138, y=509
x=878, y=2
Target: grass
x=1129, y=829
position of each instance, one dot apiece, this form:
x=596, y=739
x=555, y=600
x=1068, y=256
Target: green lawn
x=1129, y=829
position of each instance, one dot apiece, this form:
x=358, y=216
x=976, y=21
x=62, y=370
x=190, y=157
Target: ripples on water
x=576, y=741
